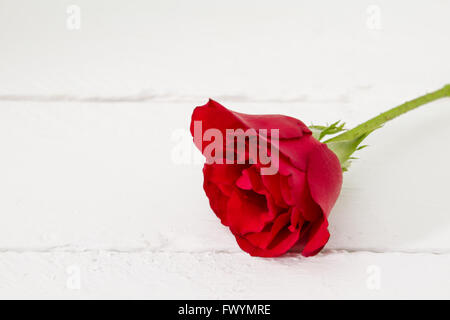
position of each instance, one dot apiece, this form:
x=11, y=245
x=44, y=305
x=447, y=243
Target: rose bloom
x=270, y=214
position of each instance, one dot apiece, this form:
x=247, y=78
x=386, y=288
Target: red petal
x=296, y=193
x=271, y=243
x=296, y=219
x=244, y=181
x=324, y=176
x=247, y=212
x=298, y=150
x=214, y=115
x=272, y=184
x=223, y=173
x=217, y=200
x=318, y=237
x=286, y=190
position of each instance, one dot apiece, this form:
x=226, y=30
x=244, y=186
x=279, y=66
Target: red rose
x=268, y=213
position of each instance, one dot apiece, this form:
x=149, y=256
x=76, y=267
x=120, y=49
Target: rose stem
x=379, y=120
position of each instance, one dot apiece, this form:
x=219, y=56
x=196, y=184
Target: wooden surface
x=98, y=173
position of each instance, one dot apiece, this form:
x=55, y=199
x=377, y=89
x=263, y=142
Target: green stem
x=379, y=120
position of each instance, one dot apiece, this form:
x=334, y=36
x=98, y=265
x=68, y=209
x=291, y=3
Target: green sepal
x=344, y=149
x=319, y=132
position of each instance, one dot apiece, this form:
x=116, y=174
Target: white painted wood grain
x=163, y=275
x=247, y=49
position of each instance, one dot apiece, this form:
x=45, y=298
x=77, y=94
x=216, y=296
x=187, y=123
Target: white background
x=94, y=202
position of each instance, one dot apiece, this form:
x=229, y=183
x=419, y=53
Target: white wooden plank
x=159, y=275
x=104, y=176
x=255, y=49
